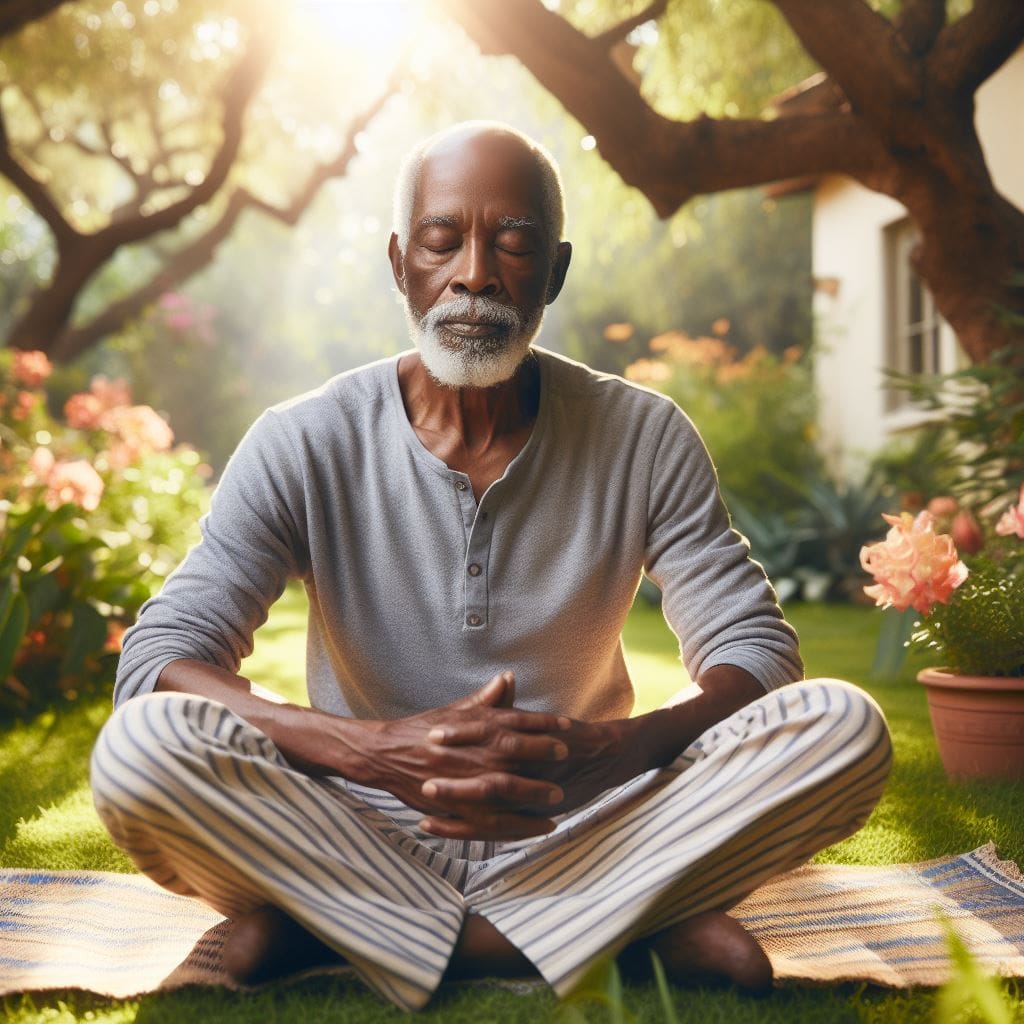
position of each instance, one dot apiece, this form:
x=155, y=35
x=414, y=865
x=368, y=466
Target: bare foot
x=266, y=943
x=709, y=949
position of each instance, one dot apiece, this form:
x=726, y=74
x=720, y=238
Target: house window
x=916, y=342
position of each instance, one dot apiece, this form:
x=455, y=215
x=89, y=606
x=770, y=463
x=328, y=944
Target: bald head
x=468, y=147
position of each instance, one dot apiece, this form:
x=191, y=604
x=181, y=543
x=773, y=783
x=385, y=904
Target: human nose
x=475, y=270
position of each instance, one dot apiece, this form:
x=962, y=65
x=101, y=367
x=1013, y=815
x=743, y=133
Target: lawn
x=47, y=821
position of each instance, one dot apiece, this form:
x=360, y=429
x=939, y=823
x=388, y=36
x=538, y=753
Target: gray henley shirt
x=418, y=594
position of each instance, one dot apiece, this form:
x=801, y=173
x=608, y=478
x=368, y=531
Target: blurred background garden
x=195, y=203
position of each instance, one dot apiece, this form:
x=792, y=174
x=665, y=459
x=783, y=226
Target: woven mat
x=120, y=935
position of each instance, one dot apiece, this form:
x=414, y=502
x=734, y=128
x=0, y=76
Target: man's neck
x=477, y=417
x=476, y=431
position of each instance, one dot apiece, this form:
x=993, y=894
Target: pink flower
x=75, y=482
x=40, y=465
x=966, y=533
x=31, y=368
x=24, y=404
x=88, y=410
x=914, y=567
x=139, y=429
x=84, y=411
x=943, y=506
x=1011, y=522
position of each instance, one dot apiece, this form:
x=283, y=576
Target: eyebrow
x=516, y=222
x=447, y=220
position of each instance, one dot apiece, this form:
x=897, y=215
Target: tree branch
x=32, y=189
x=919, y=24
x=238, y=91
x=862, y=53
x=669, y=161
x=971, y=49
x=199, y=253
x=609, y=37
x=16, y=13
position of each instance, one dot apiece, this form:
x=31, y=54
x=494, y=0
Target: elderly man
x=467, y=794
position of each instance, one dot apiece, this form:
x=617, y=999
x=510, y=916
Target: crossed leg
x=206, y=806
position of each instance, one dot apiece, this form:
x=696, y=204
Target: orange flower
x=648, y=371
x=914, y=567
x=619, y=332
x=31, y=368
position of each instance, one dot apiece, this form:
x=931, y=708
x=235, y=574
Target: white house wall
x=849, y=265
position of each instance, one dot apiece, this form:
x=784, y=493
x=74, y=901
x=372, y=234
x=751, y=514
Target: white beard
x=460, y=362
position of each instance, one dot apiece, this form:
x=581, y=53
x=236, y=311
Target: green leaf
x=668, y=1009
x=87, y=636
x=44, y=595
x=18, y=538
x=12, y=632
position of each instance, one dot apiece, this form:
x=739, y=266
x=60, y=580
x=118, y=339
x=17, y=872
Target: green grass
x=47, y=821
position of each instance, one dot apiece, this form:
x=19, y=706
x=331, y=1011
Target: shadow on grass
x=45, y=760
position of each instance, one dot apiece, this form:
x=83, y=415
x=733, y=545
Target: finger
x=478, y=731
x=493, y=826
x=491, y=694
x=489, y=788
x=513, y=746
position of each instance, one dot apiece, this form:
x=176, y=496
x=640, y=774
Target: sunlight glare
x=378, y=28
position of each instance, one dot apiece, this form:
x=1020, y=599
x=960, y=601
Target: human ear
x=563, y=254
x=397, y=262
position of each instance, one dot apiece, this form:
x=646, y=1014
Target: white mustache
x=478, y=308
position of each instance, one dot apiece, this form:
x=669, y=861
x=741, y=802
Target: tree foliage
x=174, y=155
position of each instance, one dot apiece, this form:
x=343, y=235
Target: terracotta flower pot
x=978, y=723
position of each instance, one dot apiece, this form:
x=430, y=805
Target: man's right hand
x=501, y=749
x=504, y=754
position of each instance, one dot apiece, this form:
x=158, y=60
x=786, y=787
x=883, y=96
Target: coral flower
x=31, y=368
x=1011, y=522
x=914, y=566
x=84, y=411
x=75, y=482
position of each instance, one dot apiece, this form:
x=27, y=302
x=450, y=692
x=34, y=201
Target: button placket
x=475, y=578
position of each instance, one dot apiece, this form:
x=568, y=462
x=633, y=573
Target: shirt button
x=474, y=569
x=473, y=620
x=461, y=485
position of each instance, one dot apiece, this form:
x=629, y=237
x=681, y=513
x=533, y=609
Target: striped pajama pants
x=206, y=805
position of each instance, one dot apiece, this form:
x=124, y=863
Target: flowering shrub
x=973, y=614
x=94, y=512
x=755, y=412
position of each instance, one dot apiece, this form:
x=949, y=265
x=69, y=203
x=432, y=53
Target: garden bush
x=96, y=507
x=756, y=412
x=758, y=418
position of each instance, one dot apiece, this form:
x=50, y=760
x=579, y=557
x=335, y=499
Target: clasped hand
x=481, y=769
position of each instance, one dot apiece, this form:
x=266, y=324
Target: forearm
x=313, y=741
x=657, y=738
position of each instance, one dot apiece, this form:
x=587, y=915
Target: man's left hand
x=598, y=758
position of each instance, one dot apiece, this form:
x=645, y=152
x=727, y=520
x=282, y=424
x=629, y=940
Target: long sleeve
x=716, y=599
x=251, y=544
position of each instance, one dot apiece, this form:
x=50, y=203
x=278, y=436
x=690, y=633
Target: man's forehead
x=487, y=168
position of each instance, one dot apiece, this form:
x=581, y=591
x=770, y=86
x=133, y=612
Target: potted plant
x=972, y=621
